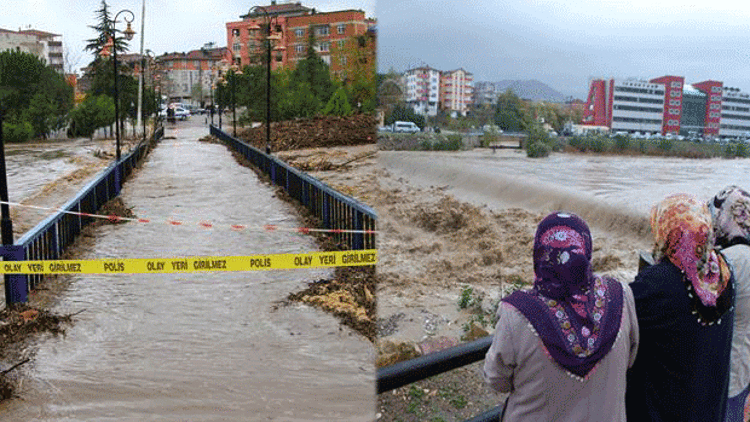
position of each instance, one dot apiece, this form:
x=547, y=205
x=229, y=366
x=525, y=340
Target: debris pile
x=321, y=131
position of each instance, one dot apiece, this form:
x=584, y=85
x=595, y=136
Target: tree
x=313, y=71
x=104, y=32
x=33, y=94
x=338, y=105
x=404, y=113
x=509, y=113
x=95, y=112
x=358, y=59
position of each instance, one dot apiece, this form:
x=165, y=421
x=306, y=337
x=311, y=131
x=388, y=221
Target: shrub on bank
x=16, y=132
x=622, y=142
x=451, y=143
x=537, y=150
x=665, y=144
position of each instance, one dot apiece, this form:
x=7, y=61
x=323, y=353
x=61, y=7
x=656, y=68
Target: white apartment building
x=735, y=113
x=456, y=91
x=46, y=46
x=422, y=91
x=638, y=106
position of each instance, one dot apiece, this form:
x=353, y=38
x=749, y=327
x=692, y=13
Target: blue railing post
x=16, y=285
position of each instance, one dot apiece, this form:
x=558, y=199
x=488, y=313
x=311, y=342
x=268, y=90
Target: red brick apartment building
x=335, y=33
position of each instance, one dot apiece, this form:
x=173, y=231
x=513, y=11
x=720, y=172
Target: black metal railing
x=417, y=369
x=335, y=210
x=48, y=239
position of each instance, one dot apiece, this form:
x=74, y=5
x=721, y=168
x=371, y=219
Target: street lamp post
x=270, y=20
x=150, y=55
x=129, y=36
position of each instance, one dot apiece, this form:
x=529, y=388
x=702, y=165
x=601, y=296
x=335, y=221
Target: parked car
x=405, y=127
x=181, y=113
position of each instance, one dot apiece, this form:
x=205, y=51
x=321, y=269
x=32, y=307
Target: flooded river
x=198, y=347
x=606, y=190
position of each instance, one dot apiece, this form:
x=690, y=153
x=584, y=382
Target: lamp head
x=129, y=32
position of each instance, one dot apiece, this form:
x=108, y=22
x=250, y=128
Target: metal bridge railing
x=334, y=209
x=413, y=370
x=48, y=239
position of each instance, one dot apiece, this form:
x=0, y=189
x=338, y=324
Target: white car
x=181, y=113
x=405, y=127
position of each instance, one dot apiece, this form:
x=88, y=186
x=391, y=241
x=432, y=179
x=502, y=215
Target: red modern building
x=667, y=105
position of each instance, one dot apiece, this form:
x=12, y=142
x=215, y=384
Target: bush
x=537, y=150
x=453, y=143
x=16, y=132
x=741, y=150
x=596, y=144
x=577, y=142
x=622, y=142
x=665, y=144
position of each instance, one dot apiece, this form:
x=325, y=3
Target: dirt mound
x=17, y=323
x=321, y=131
x=349, y=295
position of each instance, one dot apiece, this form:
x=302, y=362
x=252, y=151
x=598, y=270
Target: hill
x=531, y=89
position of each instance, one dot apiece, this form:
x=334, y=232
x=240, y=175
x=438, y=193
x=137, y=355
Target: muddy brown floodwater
x=201, y=346
x=464, y=222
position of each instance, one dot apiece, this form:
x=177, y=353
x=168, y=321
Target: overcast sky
x=566, y=43
x=170, y=25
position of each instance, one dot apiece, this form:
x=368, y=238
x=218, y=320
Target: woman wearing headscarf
x=730, y=210
x=562, y=348
x=684, y=304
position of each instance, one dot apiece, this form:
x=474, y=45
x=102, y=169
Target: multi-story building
x=333, y=35
x=456, y=91
x=44, y=45
x=668, y=105
x=422, y=90
x=188, y=77
x=485, y=93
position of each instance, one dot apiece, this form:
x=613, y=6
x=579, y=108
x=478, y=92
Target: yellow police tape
x=194, y=264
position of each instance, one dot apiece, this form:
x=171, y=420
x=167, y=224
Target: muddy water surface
x=604, y=189
x=197, y=347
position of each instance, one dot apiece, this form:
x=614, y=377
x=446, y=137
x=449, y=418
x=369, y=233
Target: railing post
x=16, y=285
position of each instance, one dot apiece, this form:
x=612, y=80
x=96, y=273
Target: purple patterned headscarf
x=575, y=313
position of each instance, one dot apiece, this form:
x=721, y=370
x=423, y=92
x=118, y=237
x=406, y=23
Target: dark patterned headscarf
x=730, y=210
x=576, y=313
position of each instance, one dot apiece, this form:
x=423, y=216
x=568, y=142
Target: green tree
x=313, y=71
x=32, y=92
x=93, y=113
x=404, y=113
x=103, y=33
x=338, y=105
x=509, y=113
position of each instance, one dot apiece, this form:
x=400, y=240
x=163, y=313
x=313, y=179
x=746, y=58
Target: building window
x=325, y=46
x=716, y=98
x=299, y=32
x=323, y=30
x=715, y=89
x=236, y=32
x=341, y=44
x=674, y=111
x=676, y=84
x=299, y=48
x=341, y=28
x=236, y=46
x=715, y=106
x=674, y=93
x=674, y=102
x=326, y=59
